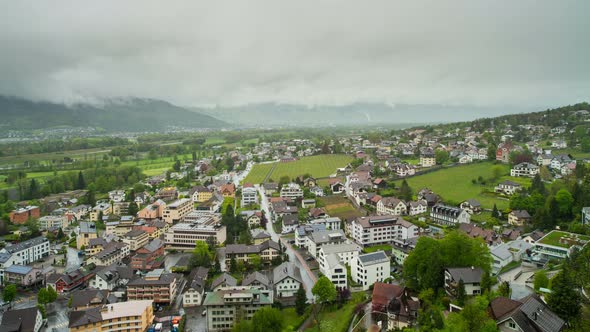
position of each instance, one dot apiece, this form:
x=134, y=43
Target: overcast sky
x=487, y=53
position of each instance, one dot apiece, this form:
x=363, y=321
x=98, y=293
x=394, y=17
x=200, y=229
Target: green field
x=455, y=183
x=318, y=166
x=341, y=207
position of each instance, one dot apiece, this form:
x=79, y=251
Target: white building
x=525, y=169
x=53, y=222
x=449, y=215
x=201, y=227
x=286, y=280
x=23, y=253
x=417, y=207
x=391, y=206
x=330, y=222
x=291, y=190
x=333, y=260
x=382, y=229
x=249, y=196
x=112, y=253
x=369, y=268
x=111, y=277
x=471, y=277
x=175, y=212
x=318, y=239
x=225, y=304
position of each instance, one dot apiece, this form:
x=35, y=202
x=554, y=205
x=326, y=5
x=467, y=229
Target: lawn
x=258, y=173
x=291, y=319
x=553, y=238
x=455, y=183
x=318, y=166
x=154, y=171
x=333, y=319
x=384, y=247
x=338, y=206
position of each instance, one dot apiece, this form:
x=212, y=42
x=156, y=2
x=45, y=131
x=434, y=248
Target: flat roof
x=564, y=239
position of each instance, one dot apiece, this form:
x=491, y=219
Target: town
x=475, y=226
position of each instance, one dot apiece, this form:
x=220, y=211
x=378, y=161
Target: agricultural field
x=318, y=166
x=258, y=173
x=455, y=183
x=341, y=207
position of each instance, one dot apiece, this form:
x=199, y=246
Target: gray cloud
x=314, y=52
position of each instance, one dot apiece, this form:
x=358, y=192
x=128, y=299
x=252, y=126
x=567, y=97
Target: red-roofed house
x=394, y=300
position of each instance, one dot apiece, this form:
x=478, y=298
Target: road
x=73, y=260
x=517, y=285
x=294, y=257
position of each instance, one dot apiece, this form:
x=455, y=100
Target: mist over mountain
x=274, y=114
x=128, y=114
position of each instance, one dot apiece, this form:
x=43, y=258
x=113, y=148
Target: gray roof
x=374, y=258
x=153, y=245
x=115, y=272
x=82, y=298
x=290, y=219
x=134, y=233
x=24, y=245
x=87, y=227
x=18, y=269
x=501, y=252
x=256, y=276
x=19, y=320
x=225, y=279
x=324, y=236
x=538, y=313
x=285, y=270
x=469, y=275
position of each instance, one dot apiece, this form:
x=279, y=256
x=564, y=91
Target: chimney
x=535, y=315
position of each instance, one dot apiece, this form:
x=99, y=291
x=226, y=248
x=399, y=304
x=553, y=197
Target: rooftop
x=374, y=258
x=564, y=239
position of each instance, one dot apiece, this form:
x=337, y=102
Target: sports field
x=318, y=166
x=455, y=183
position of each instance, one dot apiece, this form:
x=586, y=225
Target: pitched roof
x=469, y=275
x=256, y=276
x=383, y=293
x=285, y=270
x=225, y=279
x=81, y=298
x=19, y=320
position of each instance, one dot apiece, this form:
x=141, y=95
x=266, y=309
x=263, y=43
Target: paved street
x=518, y=285
x=294, y=257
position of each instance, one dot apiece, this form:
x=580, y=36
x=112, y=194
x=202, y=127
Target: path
x=270, y=172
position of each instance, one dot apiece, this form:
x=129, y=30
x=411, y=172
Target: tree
x=497, y=172
x=51, y=294
x=486, y=282
x=441, y=156
x=405, y=192
x=265, y=319
x=43, y=296
x=537, y=185
x=565, y=202
x=461, y=295
x=176, y=165
x=9, y=293
x=81, y=183
x=504, y=289
x=255, y=261
x=201, y=255
x=540, y=280
x=324, y=290
x=564, y=298
x=233, y=265
x=300, y=301
x=495, y=212
x=132, y=210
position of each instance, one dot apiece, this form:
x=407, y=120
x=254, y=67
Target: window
x=512, y=325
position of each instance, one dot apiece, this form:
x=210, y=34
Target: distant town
x=471, y=226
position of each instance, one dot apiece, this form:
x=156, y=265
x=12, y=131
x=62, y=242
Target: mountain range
x=130, y=114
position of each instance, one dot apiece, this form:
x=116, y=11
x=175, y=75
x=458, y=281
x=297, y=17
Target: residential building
x=427, y=159
x=286, y=279
x=228, y=190
x=111, y=277
x=22, y=275
x=22, y=215
x=243, y=253
x=508, y=187
x=87, y=231
x=51, y=222
x=157, y=286
x=183, y=236
x=67, y=281
x=130, y=316
x=193, y=296
x=519, y=217
x=117, y=195
x=368, y=269
x=249, y=195
x=503, y=152
x=555, y=245
x=529, y=314
x=200, y=194
x=333, y=260
x=318, y=239
x=22, y=320
x=152, y=211
x=270, y=188
x=472, y=206
x=175, y=212
x=506, y=253
x=260, y=281
x=259, y=236
x=308, y=203
x=449, y=215
x=382, y=229
x=329, y=222
x=395, y=301
x=135, y=239
x=400, y=249
x=291, y=190
x=417, y=207
x=88, y=298
x=224, y=306
x=489, y=236
x=525, y=169
x=23, y=253
x=113, y=252
x=149, y=257
x=225, y=280
x=391, y=206
x=471, y=277
x=100, y=210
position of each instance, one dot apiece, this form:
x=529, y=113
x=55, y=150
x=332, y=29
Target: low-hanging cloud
x=485, y=53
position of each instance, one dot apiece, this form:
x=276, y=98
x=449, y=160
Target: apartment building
x=122, y=316
x=183, y=236
x=149, y=257
x=367, y=269
x=22, y=215
x=291, y=190
x=391, y=206
x=23, y=253
x=175, y=212
x=333, y=260
x=135, y=239
x=249, y=195
x=112, y=252
x=242, y=253
x=200, y=194
x=87, y=231
x=152, y=211
x=449, y=215
x=382, y=229
x=103, y=209
x=525, y=169
x=286, y=280
x=157, y=286
x=226, y=305
x=53, y=222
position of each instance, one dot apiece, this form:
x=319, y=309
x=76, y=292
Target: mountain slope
x=115, y=115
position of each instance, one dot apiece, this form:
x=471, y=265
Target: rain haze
x=231, y=53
